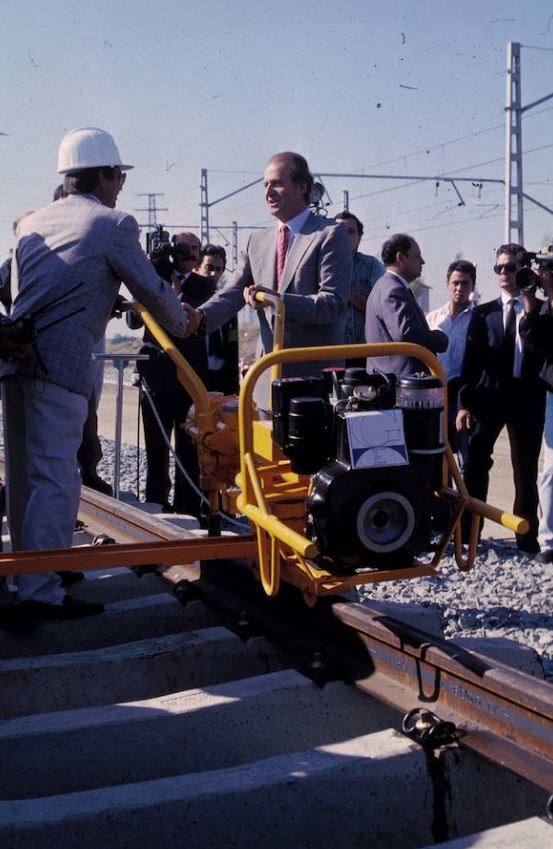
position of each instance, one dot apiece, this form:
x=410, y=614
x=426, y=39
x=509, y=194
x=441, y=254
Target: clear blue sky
x=390, y=87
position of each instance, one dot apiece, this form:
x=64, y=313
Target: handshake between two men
x=196, y=317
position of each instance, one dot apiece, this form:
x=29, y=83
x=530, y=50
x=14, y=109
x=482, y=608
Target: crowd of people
x=70, y=260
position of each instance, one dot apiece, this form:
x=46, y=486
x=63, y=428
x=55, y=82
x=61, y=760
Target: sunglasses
x=509, y=267
x=118, y=175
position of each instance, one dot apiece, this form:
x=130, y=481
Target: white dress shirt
x=519, y=309
x=294, y=226
x=455, y=328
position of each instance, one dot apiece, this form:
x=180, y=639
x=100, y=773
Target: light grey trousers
x=43, y=425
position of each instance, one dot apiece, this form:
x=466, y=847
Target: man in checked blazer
x=69, y=261
x=306, y=260
x=392, y=312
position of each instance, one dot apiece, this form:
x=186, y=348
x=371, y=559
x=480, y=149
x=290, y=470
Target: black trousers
x=172, y=408
x=522, y=413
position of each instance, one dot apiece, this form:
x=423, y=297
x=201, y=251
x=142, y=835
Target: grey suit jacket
x=393, y=315
x=74, y=241
x=314, y=288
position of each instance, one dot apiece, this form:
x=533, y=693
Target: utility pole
x=514, y=220
x=152, y=209
x=234, y=244
x=514, y=193
x=204, y=208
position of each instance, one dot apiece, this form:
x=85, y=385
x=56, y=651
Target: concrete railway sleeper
x=231, y=719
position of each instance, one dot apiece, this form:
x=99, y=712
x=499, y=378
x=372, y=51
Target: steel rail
x=501, y=713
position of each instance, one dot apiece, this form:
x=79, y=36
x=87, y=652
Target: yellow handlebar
x=186, y=374
x=278, y=329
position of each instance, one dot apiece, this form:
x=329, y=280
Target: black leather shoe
x=69, y=578
x=97, y=483
x=70, y=608
x=16, y=621
x=545, y=556
x=529, y=546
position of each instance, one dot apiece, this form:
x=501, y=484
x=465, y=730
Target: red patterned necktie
x=282, y=247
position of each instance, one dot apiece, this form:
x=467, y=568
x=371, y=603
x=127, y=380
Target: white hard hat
x=88, y=147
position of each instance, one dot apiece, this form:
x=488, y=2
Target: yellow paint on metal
x=269, y=493
x=263, y=441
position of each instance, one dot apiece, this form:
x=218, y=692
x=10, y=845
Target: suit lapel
x=497, y=319
x=267, y=258
x=297, y=251
x=299, y=246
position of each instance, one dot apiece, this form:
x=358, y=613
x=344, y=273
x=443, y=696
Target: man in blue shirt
x=453, y=319
x=366, y=271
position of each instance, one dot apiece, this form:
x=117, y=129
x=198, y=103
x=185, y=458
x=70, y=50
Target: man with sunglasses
x=166, y=394
x=500, y=387
x=70, y=260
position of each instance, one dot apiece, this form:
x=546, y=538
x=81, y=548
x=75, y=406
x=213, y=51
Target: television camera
x=526, y=278
x=159, y=245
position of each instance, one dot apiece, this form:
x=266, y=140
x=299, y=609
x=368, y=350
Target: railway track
x=196, y=712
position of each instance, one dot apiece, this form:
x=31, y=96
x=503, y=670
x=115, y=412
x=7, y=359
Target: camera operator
x=536, y=328
x=174, y=261
x=500, y=387
x=222, y=344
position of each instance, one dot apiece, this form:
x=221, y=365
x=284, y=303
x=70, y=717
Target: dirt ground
x=501, y=492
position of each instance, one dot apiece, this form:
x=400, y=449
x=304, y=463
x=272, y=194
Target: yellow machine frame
x=270, y=494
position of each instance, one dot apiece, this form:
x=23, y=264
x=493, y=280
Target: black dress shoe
x=70, y=608
x=69, y=578
x=528, y=546
x=97, y=483
x=16, y=621
x=545, y=557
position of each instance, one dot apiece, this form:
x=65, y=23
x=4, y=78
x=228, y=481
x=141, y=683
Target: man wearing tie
x=500, y=387
x=393, y=314
x=306, y=260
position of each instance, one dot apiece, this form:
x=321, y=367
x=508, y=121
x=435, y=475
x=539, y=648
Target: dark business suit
x=173, y=403
x=393, y=315
x=496, y=399
x=223, y=345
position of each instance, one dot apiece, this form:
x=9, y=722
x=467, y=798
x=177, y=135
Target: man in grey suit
x=393, y=314
x=306, y=260
x=69, y=261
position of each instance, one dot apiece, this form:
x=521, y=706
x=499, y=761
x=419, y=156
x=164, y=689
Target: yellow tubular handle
x=278, y=329
x=508, y=520
x=480, y=508
x=185, y=373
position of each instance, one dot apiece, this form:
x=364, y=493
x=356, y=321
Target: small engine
x=375, y=456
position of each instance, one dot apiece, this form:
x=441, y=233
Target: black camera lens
x=526, y=279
